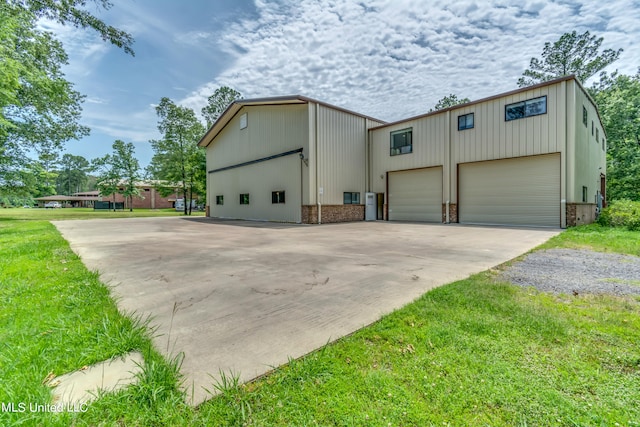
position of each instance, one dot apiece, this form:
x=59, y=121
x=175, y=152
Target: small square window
x=351, y=198
x=584, y=194
x=401, y=142
x=465, y=121
x=219, y=200
x=277, y=197
x=244, y=199
x=243, y=121
x=585, y=118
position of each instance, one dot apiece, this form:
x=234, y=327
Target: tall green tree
x=74, y=12
x=37, y=104
x=129, y=170
x=177, y=158
x=618, y=100
x=48, y=159
x=72, y=175
x=119, y=172
x=39, y=110
x=449, y=101
x=108, y=176
x=40, y=181
x=573, y=53
x=218, y=102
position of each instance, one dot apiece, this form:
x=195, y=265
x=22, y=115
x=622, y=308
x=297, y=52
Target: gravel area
x=568, y=271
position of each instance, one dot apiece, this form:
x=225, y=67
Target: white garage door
x=416, y=195
x=522, y=191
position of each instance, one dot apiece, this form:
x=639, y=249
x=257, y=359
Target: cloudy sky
x=389, y=59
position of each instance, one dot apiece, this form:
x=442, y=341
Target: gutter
x=316, y=159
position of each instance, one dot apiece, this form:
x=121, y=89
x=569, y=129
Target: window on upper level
x=401, y=142
x=528, y=108
x=465, y=121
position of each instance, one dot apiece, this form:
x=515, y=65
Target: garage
x=416, y=195
x=518, y=191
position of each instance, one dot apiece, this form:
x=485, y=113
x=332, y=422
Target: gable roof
x=236, y=106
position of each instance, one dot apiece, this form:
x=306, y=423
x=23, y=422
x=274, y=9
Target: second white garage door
x=520, y=191
x=416, y=195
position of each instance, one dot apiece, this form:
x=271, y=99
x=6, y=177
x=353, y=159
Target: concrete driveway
x=245, y=296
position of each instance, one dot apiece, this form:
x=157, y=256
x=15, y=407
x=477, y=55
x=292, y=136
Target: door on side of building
x=416, y=195
x=518, y=191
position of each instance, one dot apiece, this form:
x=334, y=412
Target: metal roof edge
x=479, y=101
x=235, y=106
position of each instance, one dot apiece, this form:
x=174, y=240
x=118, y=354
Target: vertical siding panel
x=270, y=130
x=342, y=152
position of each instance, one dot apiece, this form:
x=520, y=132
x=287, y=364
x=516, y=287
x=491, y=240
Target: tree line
x=40, y=111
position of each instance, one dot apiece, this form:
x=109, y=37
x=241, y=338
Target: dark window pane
x=401, y=142
x=515, y=111
x=536, y=106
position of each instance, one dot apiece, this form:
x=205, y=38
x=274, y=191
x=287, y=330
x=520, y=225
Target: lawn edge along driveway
x=245, y=297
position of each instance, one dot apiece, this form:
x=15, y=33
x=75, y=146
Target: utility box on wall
x=371, y=207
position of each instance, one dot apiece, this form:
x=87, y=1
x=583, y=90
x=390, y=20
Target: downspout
x=316, y=159
x=301, y=182
x=448, y=157
x=367, y=166
x=447, y=220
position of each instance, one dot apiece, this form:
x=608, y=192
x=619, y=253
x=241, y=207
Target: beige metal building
x=291, y=159
x=534, y=156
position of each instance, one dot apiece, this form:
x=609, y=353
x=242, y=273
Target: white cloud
x=393, y=59
x=84, y=47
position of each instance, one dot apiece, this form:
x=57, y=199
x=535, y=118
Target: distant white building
x=533, y=156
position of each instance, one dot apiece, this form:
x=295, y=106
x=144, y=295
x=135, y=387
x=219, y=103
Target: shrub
x=621, y=213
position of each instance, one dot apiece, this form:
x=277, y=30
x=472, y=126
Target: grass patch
x=598, y=238
x=12, y=214
x=58, y=317
x=474, y=352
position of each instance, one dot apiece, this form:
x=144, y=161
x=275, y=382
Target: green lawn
x=82, y=213
x=474, y=352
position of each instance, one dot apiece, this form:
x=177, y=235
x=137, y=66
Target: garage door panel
x=416, y=195
x=521, y=191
